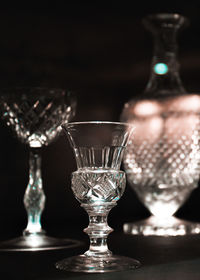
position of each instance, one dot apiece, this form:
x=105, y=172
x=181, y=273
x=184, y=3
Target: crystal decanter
x=162, y=160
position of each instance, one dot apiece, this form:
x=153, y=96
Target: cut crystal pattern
x=36, y=119
x=107, y=157
x=163, y=168
x=95, y=186
x=35, y=116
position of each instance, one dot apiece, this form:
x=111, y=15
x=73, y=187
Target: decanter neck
x=164, y=75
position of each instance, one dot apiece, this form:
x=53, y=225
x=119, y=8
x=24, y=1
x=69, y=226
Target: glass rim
x=34, y=87
x=67, y=124
x=13, y=91
x=162, y=17
x=165, y=16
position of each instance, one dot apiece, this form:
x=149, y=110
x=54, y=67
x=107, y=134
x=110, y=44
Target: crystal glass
x=98, y=184
x=34, y=115
x=162, y=159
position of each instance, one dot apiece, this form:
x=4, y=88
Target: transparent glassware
x=34, y=115
x=162, y=159
x=98, y=184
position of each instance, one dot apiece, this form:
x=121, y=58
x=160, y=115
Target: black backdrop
x=101, y=51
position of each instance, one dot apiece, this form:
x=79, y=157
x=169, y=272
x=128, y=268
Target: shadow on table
x=161, y=258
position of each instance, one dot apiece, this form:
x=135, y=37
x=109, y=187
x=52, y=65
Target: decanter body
x=162, y=160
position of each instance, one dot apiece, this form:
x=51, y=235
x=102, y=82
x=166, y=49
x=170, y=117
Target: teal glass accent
x=161, y=68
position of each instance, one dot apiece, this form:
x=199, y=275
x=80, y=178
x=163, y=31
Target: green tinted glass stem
x=34, y=198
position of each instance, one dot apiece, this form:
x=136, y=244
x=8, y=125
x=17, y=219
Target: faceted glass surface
x=162, y=160
x=98, y=184
x=35, y=115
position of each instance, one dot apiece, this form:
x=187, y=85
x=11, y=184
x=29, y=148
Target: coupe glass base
x=154, y=226
x=38, y=243
x=112, y=263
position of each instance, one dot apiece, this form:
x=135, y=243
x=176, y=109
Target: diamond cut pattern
x=164, y=170
x=91, y=186
x=36, y=118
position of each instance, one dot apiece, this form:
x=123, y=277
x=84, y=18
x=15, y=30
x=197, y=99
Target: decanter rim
x=163, y=18
x=164, y=15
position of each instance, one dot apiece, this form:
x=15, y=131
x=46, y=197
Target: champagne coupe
x=35, y=115
x=98, y=184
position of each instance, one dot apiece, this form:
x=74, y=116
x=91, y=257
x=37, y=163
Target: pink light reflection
x=187, y=103
x=147, y=108
x=150, y=129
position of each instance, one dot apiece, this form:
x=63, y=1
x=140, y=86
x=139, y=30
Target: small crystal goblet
x=35, y=115
x=98, y=184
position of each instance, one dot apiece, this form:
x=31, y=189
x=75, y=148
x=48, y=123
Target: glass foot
x=162, y=227
x=82, y=263
x=38, y=243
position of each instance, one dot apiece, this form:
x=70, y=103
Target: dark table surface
x=161, y=258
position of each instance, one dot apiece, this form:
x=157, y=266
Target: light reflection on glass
x=160, y=68
x=162, y=160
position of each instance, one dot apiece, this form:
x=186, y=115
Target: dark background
x=103, y=52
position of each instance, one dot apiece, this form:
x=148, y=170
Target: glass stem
x=98, y=229
x=34, y=198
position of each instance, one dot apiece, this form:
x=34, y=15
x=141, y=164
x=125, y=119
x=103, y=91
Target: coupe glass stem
x=34, y=198
x=98, y=229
